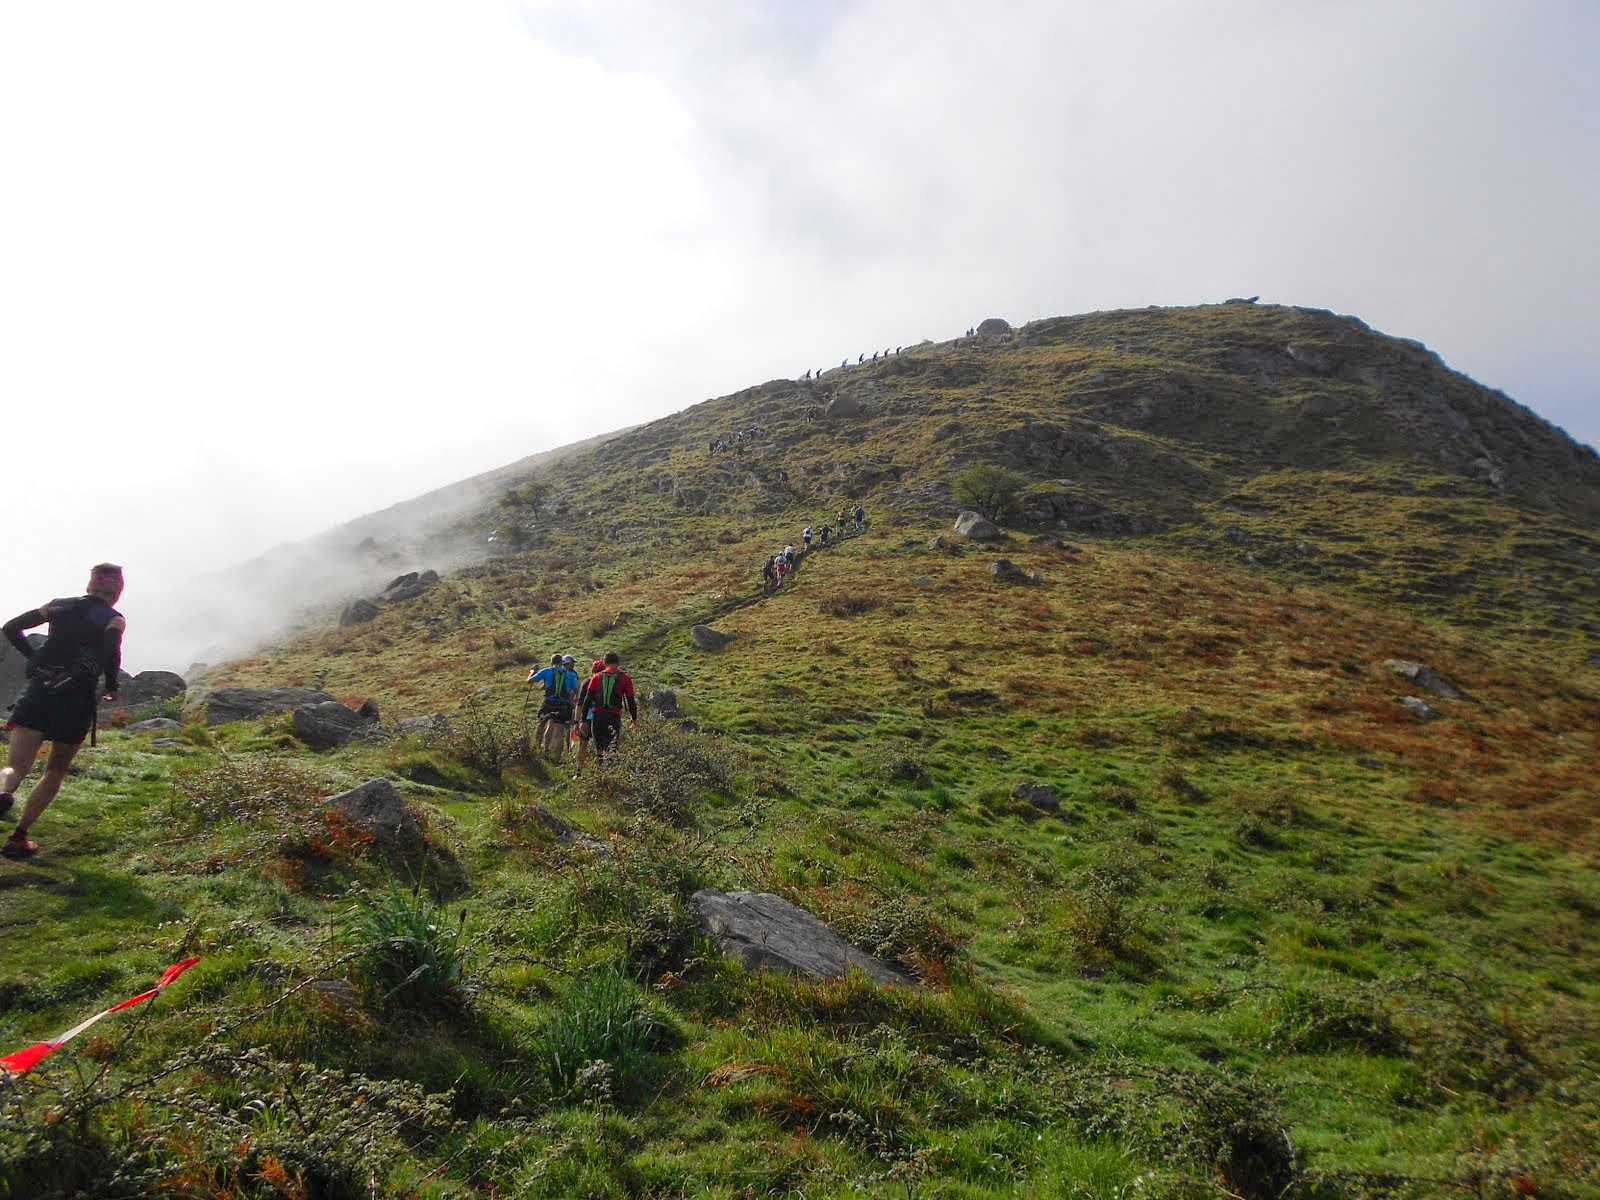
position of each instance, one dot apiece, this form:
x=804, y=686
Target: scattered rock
x=843, y=406
x=663, y=702
x=1006, y=571
x=166, y=742
x=368, y=710
x=706, y=638
x=978, y=527
x=939, y=542
x=569, y=836
x=924, y=581
x=377, y=808
x=358, y=612
x=336, y=992
x=149, y=687
x=432, y=725
x=1424, y=677
x=766, y=932
x=1041, y=795
x=1420, y=707
x=409, y=586
x=154, y=725
x=226, y=705
x=329, y=724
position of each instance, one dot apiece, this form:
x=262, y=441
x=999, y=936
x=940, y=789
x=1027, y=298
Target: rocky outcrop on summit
x=766, y=932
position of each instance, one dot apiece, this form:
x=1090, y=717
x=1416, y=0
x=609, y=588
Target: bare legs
x=25, y=745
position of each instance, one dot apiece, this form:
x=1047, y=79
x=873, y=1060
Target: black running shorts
x=606, y=728
x=63, y=716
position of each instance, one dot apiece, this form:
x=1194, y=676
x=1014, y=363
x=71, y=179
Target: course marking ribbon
x=24, y=1061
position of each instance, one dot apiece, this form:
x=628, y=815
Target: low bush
x=849, y=604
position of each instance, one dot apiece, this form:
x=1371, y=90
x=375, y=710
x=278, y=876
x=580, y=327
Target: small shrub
x=1312, y=1021
x=488, y=742
x=990, y=490
x=407, y=952
x=665, y=771
x=849, y=604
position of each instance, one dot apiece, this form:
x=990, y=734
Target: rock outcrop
x=706, y=638
x=376, y=808
x=766, y=932
x=329, y=724
x=1041, y=795
x=226, y=705
x=978, y=527
x=358, y=612
x=1424, y=677
x=1006, y=571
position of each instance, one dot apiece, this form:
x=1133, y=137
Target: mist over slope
x=298, y=584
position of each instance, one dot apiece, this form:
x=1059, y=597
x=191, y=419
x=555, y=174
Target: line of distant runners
x=781, y=565
x=595, y=706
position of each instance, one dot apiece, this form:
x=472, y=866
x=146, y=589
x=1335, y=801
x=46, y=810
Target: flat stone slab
x=767, y=933
x=225, y=705
x=1424, y=677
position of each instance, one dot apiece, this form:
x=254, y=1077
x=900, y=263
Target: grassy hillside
x=1282, y=937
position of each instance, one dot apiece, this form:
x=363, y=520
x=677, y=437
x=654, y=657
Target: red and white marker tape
x=24, y=1061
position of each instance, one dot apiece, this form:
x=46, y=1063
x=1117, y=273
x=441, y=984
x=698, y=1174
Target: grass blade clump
x=411, y=958
x=601, y=1020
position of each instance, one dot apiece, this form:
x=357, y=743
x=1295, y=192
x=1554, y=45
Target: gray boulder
x=844, y=406
x=149, y=687
x=358, y=612
x=1041, y=795
x=376, y=808
x=1006, y=571
x=939, y=542
x=328, y=724
x=994, y=327
x=154, y=725
x=767, y=933
x=978, y=527
x=1424, y=677
x=663, y=702
x=409, y=586
x=431, y=725
x=1420, y=708
x=226, y=705
x=706, y=638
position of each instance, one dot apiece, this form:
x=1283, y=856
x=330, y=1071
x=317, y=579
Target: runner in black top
x=85, y=643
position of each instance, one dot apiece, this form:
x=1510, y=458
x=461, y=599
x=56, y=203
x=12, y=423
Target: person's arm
x=14, y=627
x=111, y=655
x=627, y=698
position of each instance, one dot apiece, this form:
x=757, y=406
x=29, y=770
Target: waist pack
x=78, y=675
x=558, y=707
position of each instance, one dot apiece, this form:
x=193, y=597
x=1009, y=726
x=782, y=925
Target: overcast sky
x=266, y=267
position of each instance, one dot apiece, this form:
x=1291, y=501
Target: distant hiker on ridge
x=84, y=644
x=769, y=576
